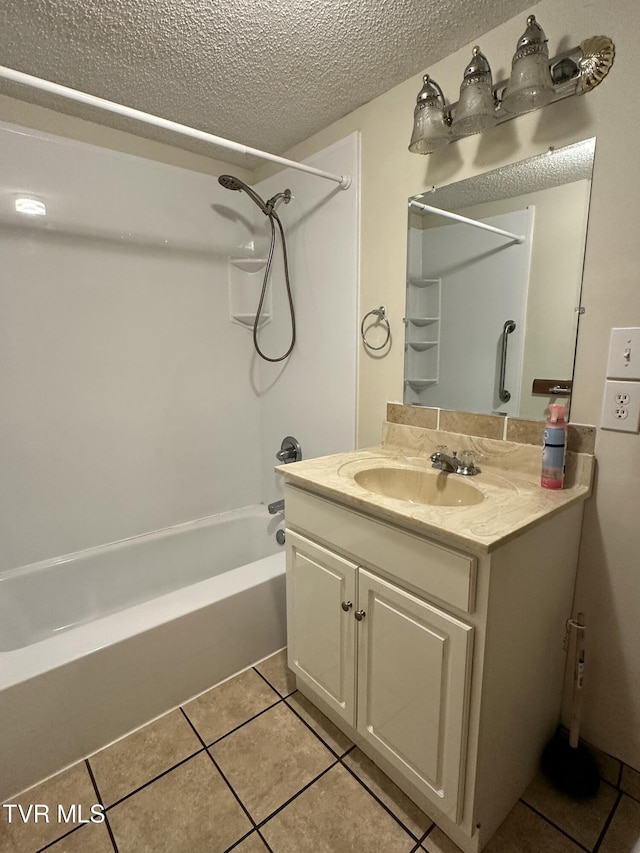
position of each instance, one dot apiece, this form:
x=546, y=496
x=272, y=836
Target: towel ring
x=382, y=318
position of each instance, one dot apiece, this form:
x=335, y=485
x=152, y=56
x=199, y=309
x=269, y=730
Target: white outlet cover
x=621, y=406
x=624, y=354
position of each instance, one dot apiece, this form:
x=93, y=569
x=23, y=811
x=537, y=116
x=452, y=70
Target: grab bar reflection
x=509, y=327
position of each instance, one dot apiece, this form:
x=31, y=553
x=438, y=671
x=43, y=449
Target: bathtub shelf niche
x=248, y=264
x=245, y=275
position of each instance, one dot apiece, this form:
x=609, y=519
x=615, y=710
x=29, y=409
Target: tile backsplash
x=581, y=438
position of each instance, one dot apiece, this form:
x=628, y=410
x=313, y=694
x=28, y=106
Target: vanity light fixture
x=535, y=81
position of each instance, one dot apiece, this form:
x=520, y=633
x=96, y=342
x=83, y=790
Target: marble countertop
x=509, y=480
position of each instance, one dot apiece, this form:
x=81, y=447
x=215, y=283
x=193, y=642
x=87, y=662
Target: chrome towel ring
x=382, y=318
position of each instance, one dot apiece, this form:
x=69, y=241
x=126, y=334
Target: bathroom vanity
x=426, y=614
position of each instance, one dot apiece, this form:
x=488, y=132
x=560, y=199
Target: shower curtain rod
x=343, y=181
x=519, y=238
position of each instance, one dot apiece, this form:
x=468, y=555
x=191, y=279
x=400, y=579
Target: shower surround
x=131, y=402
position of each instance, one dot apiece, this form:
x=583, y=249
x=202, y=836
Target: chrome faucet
x=445, y=462
x=452, y=464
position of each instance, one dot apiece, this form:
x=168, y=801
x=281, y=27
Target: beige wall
x=609, y=574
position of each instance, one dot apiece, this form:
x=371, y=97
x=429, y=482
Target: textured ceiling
x=265, y=73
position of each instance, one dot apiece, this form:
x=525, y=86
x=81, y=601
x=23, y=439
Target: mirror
x=492, y=313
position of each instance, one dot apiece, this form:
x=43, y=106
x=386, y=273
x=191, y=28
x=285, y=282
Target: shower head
x=229, y=182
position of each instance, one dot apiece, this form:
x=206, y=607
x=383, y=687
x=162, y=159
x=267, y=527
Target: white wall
x=609, y=580
x=313, y=396
x=125, y=400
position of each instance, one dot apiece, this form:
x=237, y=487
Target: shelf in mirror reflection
x=423, y=282
x=421, y=346
x=422, y=321
x=417, y=384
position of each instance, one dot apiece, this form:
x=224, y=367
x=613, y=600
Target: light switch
x=624, y=354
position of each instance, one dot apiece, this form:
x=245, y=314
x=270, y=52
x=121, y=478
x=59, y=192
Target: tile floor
x=251, y=766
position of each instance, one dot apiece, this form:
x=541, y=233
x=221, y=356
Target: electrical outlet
x=624, y=354
x=621, y=407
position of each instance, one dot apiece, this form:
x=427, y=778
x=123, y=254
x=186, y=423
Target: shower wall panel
x=125, y=400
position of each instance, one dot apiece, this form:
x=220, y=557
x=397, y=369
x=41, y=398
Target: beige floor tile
x=623, y=833
x=630, y=782
x=526, y=832
x=270, y=759
x=188, y=810
x=322, y=725
x=335, y=814
x=135, y=760
x=252, y=844
x=522, y=832
x=71, y=787
x=277, y=673
x=608, y=766
x=403, y=808
x=437, y=842
x=581, y=819
x=92, y=837
x=229, y=705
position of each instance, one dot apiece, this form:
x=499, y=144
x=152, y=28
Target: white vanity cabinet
x=321, y=628
x=355, y=636
x=444, y=666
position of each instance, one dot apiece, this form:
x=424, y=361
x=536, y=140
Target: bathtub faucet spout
x=276, y=506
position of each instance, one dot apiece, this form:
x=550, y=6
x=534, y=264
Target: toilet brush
x=566, y=762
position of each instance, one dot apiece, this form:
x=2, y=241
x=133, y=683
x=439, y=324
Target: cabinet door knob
x=359, y=614
x=346, y=606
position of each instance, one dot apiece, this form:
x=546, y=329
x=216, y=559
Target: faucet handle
x=467, y=460
x=442, y=448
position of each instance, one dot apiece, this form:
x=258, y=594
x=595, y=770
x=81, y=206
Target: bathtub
x=97, y=643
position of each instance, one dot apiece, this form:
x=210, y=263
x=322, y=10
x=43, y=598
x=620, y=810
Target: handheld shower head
x=229, y=182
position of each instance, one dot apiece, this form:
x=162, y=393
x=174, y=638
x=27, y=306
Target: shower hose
x=272, y=215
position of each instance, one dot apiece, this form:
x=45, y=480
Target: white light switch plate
x=624, y=354
x=621, y=407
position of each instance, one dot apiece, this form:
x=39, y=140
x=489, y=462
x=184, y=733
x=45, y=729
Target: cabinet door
x=413, y=684
x=321, y=589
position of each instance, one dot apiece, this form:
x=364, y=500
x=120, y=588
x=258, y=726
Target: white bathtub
x=97, y=643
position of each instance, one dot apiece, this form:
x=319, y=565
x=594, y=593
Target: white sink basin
x=418, y=486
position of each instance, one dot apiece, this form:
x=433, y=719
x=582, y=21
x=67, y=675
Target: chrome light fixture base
x=535, y=82
x=598, y=53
